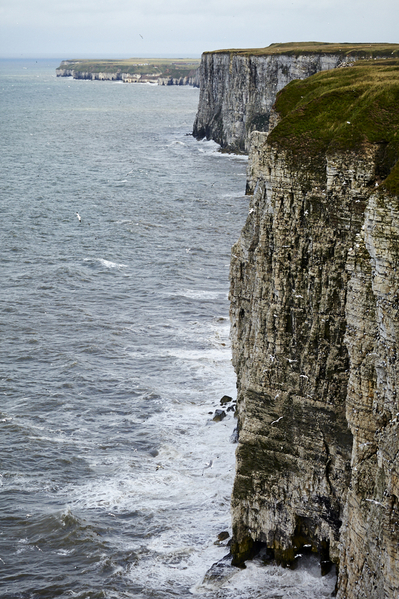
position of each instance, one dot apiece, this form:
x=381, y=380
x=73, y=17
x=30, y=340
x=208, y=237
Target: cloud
x=88, y=27
x=24, y=9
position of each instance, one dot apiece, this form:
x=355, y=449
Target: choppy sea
x=114, y=349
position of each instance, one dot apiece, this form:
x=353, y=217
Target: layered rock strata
x=238, y=88
x=315, y=331
x=370, y=538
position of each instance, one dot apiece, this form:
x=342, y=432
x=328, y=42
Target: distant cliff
x=315, y=332
x=239, y=87
x=135, y=70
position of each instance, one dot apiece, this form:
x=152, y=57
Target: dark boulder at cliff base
x=219, y=415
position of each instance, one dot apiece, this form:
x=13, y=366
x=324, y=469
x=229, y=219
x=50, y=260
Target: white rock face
x=127, y=78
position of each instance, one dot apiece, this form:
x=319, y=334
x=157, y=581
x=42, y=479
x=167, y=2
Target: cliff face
x=315, y=331
x=370, y=567
x=288, y=296
x=237, y=92
x=238, y=88
x=194, y=81
x=89, y=75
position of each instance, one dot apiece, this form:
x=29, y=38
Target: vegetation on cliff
x=239, y=86
x=344, y=110
x=301, y=48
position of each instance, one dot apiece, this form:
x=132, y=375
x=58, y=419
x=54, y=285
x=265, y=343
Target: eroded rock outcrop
x=315, y=332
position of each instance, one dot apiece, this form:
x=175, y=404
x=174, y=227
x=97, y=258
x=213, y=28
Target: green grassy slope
x=297, y=48
x=344, y=109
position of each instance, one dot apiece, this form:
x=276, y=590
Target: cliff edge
x=315, y=330
x=238, y=87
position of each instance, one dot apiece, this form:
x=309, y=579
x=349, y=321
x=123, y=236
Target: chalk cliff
x=127, y=78
x=177, y=71
x=315, y=331
x=239, y=87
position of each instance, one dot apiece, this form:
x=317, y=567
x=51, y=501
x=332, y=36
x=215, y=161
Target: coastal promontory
x=177, y=71
x=238, y=87
x=315, y=308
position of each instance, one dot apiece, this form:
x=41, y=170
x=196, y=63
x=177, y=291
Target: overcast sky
x=124, y=28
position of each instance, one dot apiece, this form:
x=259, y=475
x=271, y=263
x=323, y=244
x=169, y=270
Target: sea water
x=114, y=349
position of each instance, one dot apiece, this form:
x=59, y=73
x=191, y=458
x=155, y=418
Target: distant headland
x=158, y=71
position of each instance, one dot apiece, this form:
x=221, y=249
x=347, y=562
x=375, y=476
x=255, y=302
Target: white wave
x=172, y=487
x=64, y=551
x=176, y=142
x=200, y=351
x=305, y=581
x=212, y=148
x=106, y=263
x=55, y=439
x=110, y=264
x=210, y=356
x=199, y=294
x=208, y=147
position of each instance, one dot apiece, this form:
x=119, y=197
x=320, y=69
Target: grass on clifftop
x=344, y=110
x=297, y=48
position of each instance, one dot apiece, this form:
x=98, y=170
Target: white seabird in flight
x=79, y=217
x=207, y=465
